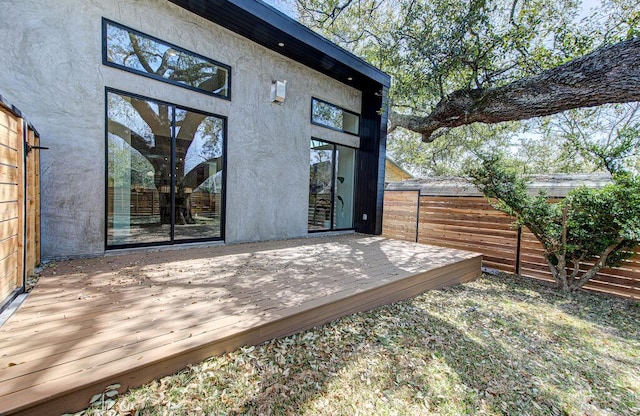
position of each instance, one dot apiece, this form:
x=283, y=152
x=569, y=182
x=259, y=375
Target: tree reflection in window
x=129, y=49
x=331, y=186
x=152, y=145
x=328, y=115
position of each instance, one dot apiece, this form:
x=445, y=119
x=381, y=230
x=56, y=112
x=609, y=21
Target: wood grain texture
x=10, y=180
x=131, y=318
x=19, y=203
x=622, y=281
x=32, y=237
x=471, y=223
x=400, y=215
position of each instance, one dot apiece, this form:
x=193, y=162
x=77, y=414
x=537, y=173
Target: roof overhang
x=272, y=29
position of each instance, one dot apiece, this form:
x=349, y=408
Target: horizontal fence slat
x=472, y=224
x=504, y=252
x=400, y=215
x=492, y=233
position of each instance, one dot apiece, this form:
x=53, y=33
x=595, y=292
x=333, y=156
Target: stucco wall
x=51, y=68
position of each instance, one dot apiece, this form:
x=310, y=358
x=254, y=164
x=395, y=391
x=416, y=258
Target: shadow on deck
x=131, y=318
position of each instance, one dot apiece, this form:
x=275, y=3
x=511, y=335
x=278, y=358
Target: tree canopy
x=610, y=74
x=466, y=73
x=143, y=134
x=459, y=62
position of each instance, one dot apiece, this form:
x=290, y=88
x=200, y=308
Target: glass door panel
x=320, y=186
x=139, y=171
x=345, y=184
x=331, y=186
x=198, y=183
x=164, y=172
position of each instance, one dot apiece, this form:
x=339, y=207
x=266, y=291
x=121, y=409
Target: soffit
x=265, y=25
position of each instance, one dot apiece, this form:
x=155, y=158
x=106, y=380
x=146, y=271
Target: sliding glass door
x=164, y=172
x=331, y=186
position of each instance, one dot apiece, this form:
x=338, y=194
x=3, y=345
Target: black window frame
x=106, y=62
x=172, y=241
x=333, y=185
x=344, y=110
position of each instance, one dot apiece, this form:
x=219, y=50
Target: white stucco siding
x=51, y=69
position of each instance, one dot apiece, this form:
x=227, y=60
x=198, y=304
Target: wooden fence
x=19, y=202
x=471, y=223
x=146, y=202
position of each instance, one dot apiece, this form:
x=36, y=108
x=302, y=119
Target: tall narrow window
x=164, y=172
x=331, y=186
x=136, y=52
x=321, y=186
x=345, y=187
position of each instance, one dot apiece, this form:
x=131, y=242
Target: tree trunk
x=559, y=272
x=165, y=208
x=610, y=74
x=577, y=284
x=182, y=210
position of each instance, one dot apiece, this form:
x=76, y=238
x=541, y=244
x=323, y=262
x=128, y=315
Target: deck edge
x=410, y=286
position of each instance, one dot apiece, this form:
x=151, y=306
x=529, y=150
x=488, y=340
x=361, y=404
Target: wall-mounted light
x=278, y=91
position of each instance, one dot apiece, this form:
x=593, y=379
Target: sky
x=285, y=6
x=288, y=7
x=587, y=5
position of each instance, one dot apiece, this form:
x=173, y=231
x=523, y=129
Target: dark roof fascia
x=301, y=43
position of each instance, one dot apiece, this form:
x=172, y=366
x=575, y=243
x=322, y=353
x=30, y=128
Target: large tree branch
x=158, y=123
x=150, y=151
x=140, y=53
x=200, y=173
x=189, y=126
x=610, y=74
x=599, y=265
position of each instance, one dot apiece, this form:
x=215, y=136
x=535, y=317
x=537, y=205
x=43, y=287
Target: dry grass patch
x=501, y=345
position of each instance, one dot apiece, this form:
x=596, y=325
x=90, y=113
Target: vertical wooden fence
x=471, y=223
x=19, y=202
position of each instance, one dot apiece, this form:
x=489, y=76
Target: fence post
x=518, y=246
x=418, y=217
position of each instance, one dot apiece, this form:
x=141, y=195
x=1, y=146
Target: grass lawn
x=501, y=345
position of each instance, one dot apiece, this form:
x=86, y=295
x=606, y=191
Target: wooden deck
x=131, y=318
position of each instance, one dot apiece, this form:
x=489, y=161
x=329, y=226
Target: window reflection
x=334, y=117
x=331, y=186
x=345, y=187
x=164, y=183
x=320, y=186
x=143, y=54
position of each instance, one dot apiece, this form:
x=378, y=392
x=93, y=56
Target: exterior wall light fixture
x=278, y=91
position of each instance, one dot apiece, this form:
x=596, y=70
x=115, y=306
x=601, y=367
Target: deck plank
x=135, y=317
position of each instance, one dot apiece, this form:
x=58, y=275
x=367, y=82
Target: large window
x=331, y=186
x=331, y=116
x=133, y=51
x=164, y=172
